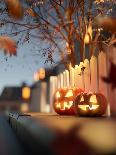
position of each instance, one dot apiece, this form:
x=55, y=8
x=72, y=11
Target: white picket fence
x=89, y=79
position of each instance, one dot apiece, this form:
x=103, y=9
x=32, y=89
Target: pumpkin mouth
x=88, y=107
x=66, y=105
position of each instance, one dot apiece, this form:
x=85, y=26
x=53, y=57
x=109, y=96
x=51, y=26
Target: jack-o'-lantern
x=64, y=100
x=90, y=104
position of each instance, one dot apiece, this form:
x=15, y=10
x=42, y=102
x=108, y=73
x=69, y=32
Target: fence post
x=53, y=84
x=67, y=78
x=78, y=77
x=102, y=68
x=43, y=97
x=58, y=81
x=64, y=79
x=111, y=53
x=94, y=74
x=87, y=75
x=72, y=77
x=61, y=80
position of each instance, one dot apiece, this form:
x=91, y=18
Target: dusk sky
x=16, y=69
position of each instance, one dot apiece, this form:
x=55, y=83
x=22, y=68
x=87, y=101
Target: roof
x=11, y=94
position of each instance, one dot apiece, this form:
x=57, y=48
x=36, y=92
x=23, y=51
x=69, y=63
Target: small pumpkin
x=90, y=104
x=64, y=100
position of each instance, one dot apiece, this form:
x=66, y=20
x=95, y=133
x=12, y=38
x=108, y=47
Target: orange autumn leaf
x=31, y=12
x=108, y=23
x=15, y=9
x=8, y=45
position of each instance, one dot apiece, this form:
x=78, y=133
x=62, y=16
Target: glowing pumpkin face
x=90, y=104
x=64, y=100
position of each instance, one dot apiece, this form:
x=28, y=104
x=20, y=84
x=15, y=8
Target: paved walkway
x=9, y=145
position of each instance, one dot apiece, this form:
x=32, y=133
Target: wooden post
x=87, y=75
x=72, y=77
x=67, y=78
x=52, y=91
x=61, y=80
x=111, y=92
x=76, y=76
x=94, y=74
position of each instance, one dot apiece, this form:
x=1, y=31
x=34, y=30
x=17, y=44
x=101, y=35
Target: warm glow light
x=86, y=107
x=68, y=48
x=82, y=99
x=24, y=107
x=36, y=76
x=93, y=99
x=26, y=92
x=41, y=73
x=58, y=95
x=69, y=93
x=88, y=34
x=65, y=105
x=99, y=1
x=86, y=39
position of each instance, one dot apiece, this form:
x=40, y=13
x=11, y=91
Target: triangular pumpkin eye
x=58, y=94
x=93, y=99
x=69, y=93
x=82, y=99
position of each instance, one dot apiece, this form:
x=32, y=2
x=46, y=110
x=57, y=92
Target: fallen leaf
x=8, y=45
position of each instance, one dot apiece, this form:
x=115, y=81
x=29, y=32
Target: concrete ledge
x=60, y=135
x=34, y=135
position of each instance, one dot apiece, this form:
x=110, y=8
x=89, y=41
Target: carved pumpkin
x=90, y=104
x=64, y=100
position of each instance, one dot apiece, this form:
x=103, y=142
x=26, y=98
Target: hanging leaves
x=15, y=9
x=108, y=23
x=8, y=45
